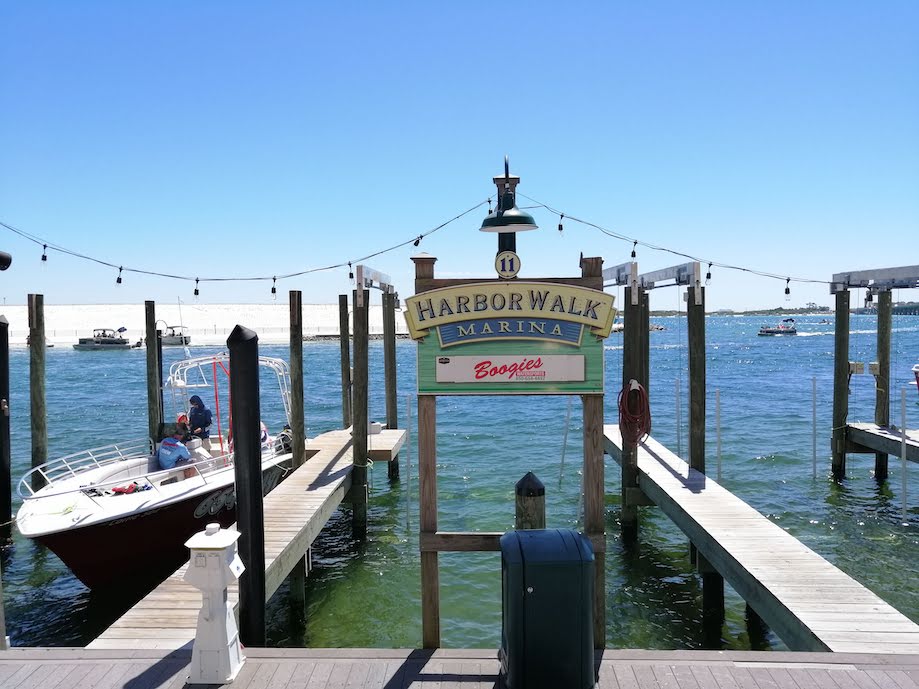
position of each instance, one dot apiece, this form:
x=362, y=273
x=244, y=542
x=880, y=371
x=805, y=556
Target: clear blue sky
x=227, y=139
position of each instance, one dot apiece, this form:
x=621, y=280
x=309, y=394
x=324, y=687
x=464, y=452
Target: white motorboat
x=109, y=511
x=103, y=338
x=175, y=336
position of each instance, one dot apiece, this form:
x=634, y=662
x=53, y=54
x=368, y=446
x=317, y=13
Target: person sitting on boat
x=199, y=418
x=172, y=451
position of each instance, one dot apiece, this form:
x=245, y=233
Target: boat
x=786, y=327
x=49, y=345
x=175, y=336
x=916, y=374
x=111, y=511
x=103, y=338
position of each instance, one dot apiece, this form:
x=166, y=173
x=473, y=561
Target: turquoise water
x=368, y=594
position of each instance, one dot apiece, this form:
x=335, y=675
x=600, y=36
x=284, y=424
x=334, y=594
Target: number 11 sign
x=507, y=264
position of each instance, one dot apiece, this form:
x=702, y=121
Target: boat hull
x=176, y=341
x=153, y=539
x=97, y=347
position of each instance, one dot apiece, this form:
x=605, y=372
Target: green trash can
x=547, y=581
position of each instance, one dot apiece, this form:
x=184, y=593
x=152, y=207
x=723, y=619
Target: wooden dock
x=870, y=438
x=453, y=669
x=809, y=603
x=295, y=513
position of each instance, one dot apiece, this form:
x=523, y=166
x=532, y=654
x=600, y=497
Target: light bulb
x=708, y=275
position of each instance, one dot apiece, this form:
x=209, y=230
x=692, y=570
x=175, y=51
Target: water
x=369, y=594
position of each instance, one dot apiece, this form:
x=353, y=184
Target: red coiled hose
x=634, y=413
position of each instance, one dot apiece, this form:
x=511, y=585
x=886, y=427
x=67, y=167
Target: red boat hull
x=103, y=553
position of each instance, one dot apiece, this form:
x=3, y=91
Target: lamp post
x=507, y=219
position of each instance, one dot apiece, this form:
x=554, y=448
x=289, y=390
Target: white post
x=679, y=422
x=814, y=423
x=903, y=447
x=216, y=656
x=718, y=429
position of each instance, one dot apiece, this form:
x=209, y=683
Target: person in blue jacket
x=199, y=418
x=172, y=452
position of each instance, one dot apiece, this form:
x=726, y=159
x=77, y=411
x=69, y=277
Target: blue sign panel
x=493, y=329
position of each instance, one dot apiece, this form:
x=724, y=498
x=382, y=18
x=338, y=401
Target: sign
x=507, y=264
x=510, y=338
x=551, y=368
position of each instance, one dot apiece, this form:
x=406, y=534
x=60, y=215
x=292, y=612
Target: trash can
x=547, y=584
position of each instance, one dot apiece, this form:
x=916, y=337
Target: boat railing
x=69, y=466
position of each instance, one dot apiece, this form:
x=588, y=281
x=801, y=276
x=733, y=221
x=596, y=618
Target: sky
x=229, y=140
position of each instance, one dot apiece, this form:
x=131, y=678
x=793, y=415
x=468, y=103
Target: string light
x=196, y=289
x=118, y=279
x=561, y=216
x=274, y=289
x=787, y=289
x=350, y=272
x=44, y=253
x=418, y=241
x=708, y=275
x=489, y=205
x=634, y=245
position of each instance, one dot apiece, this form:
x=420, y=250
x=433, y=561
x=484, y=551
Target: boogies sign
x=510, y=338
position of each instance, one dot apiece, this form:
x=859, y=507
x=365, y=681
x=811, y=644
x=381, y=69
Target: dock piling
x=695, y=323
x=389, y=367
x=359, y=411
x=344, y=333
x=882, y=377
x=297, y=578
x=840, y=384
x=631, y=368
x=250, y=518
x=529, y=503
x=154, y=409
x=6, y=492
x=39, y=413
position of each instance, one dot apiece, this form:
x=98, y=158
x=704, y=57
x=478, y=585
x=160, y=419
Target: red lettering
x=485, y=369
x=481, y=369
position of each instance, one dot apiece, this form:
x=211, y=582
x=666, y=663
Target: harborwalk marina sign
x=514, y=337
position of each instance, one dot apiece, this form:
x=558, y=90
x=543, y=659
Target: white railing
x=69, y=466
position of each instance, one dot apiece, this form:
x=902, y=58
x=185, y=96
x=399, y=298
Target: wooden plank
x=427, y=480
x=785, y=582
x=460, y=541
x=873, y=438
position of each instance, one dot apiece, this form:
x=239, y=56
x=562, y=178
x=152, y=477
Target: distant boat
x=29, y=342
x=786, y=327
x=175, y=336
x=916, y=373
x=103, y=338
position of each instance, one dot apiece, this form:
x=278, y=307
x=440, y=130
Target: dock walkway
x=295, y=513
x=453, y=669
x=869, y=437
x=809, y=603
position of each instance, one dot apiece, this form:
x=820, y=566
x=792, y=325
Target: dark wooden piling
x=297, y=579
x=389, y=369
x=39, y=414
x=840, y=384
x=250, y=515
x=154, y=409
x=344, y=341
x=695, y=323
x=359, y=412
x=529, y=503
x=595, y=484
x=882, y=379
x=631, y=369
x=6, y=491
x=712, y=603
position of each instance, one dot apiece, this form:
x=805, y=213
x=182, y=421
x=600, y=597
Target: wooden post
x=644, y=369
x=39, y=414
x=757, y=630
x=882, y=380
x=427, y=489
x=427, y=492
x=695, y=323
x=359, y=417
x=297, y=434
x=631, y=365
x=154, y=411
x=6, y=489
x=840, y=384
x=529, y=503
x=344, y=335
x=250, y=511
x=712, y=603
x=389, y=366
x=595, y=484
